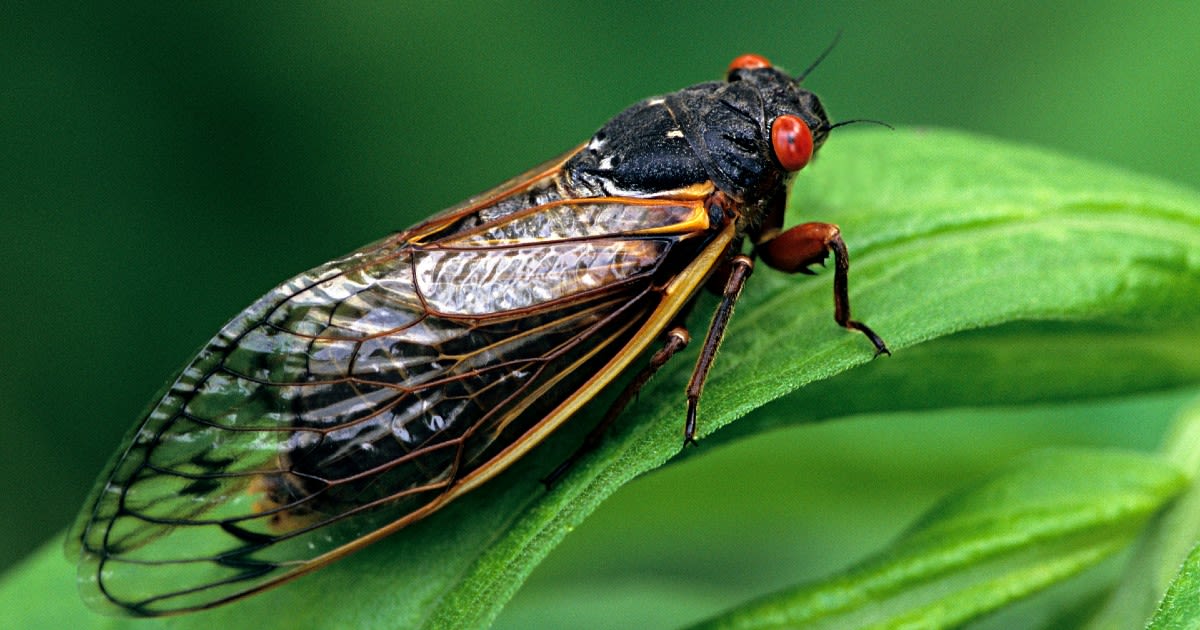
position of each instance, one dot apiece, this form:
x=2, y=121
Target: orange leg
x=795, y=249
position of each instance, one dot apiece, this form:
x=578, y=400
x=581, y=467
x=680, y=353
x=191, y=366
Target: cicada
x=364, y=394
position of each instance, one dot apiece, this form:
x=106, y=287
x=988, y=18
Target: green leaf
x=947, y=232
x=1163, y=547
x=1180, y=607
x=1046, y=518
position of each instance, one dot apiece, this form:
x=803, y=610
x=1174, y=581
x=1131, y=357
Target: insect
x=364, y=394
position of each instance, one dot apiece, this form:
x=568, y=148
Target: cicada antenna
x=860, y=120
x=820, y=57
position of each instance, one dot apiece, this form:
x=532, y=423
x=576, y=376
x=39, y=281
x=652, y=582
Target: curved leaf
x=1180, y=607
x=1046, y=518
x=947, y=232
x=1155, y=570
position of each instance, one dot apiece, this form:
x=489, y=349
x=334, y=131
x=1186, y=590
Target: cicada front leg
x=795, y=249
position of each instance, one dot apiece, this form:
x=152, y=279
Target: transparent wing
x=353, y=398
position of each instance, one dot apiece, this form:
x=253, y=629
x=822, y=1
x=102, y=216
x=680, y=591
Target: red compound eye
x=792, y=141
x=748, y=62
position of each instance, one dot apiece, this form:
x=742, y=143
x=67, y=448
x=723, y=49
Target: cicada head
x=746, y=135
x=761, y=127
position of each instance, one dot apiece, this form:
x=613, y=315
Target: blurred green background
x=163, y=166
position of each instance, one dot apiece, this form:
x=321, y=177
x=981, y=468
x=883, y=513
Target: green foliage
x=1044, y=519
x=1079, y=280
x=1181, y=605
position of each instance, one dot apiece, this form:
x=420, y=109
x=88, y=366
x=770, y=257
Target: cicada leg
x=740, y=268
x=793, y=250
x=677, y=339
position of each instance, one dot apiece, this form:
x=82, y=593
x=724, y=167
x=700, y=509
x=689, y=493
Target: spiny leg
x=677, y=339
x=795, y=249
x=740, y=268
